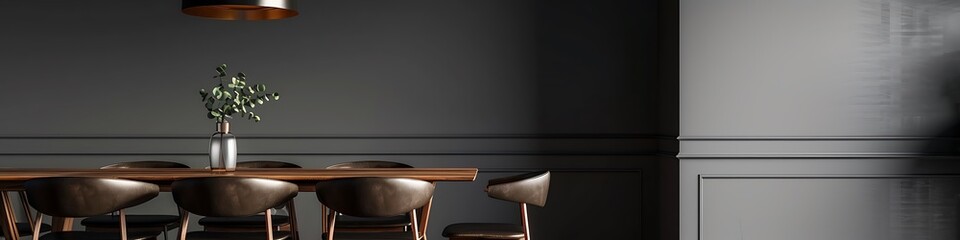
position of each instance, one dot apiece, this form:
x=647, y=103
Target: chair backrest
x=84, y=197
x=266, y=164
x=374, y=197
x=531, y=188
x=231, y=196
x=145, y=164
x=369, y=164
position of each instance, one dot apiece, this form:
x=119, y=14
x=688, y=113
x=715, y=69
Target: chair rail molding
x=765, y=147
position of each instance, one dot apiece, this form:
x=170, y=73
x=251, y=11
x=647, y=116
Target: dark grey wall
x=507, y=86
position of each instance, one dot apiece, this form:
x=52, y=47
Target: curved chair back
x=231, y=196
x=529, y=188
x=84, y=197
x=145, y=164
x=374, y=197
x=369, y=164
x=266, y=164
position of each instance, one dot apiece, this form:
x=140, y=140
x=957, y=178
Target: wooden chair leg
x=36, y=226
x=523, y=220
x=123, y=225
x=294, y=226
x=9, y=218
x=184, y=221
x=26, y=206
x=413, y=225
x=425, y=218
x=269, y=223
x=331, y=222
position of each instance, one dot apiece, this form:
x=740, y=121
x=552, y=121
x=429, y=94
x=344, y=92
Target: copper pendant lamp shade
x=241, y=9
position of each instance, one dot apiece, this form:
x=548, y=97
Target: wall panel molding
x=762, y=147
x=572, y=144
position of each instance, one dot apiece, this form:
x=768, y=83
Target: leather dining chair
x=231, y=197
x=255, y=223
x=530, y=188
x=347, y=223
x=374, y=197
x=86, y=197
x=145, y=222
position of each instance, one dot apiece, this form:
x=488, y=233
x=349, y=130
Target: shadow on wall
x=929, y=208
x=597, y=93
x=944, y=72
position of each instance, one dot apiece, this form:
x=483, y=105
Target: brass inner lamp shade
x=240, y=9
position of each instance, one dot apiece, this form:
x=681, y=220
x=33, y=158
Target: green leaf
x=261, y=87
x=215, y=114
x=231, y=85
x=276, y=96
x=227, y=95
x=256, y=118
x=259, y=101
x=233, y=80
x=240, y=74
x=222, y=70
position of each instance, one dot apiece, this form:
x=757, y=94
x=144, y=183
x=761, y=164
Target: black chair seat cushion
x=209, y=235
x=77, y=235
x=25, y=229
x=369, y=235
x=255, y=221
x=133, y=221
x=347, y=221
x=484, y=231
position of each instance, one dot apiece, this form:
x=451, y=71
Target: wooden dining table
x=12, y=180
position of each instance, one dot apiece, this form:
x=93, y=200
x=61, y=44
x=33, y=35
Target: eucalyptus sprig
x=232, y=95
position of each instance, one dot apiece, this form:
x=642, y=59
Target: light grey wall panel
x=817, y=119
x=859, y=68
x=784, y=198
x=829, y=208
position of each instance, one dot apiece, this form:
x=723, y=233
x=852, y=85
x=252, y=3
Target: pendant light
x=240, y=9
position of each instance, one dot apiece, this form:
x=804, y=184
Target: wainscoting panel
x=819, y=188
x=830, y=207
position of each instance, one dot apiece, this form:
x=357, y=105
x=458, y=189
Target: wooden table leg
x=8, y=219
x=323, y=219
x=62, y=224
